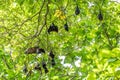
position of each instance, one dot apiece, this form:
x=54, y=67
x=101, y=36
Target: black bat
x=77, y=11
x=37, y=67
x=53, y=62
x=34, y=50
x=52, y=28
x=44, y=66
x=25, y=70
x=66, y=27
x=40, y=50
x=51, y=54
x=100, y=16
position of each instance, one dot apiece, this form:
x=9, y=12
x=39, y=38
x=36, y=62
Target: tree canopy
x=59, y=40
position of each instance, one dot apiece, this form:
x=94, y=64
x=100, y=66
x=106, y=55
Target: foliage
x=90, y=47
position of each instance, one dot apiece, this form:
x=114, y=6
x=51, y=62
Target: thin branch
x=117, y=38
x=28, y=19
x=45, y=20
x=38, y=19
x=38, y=13
x=4, y=60
x=108, y=38
x=66, y=5
x=12, y=59
x=32, y=16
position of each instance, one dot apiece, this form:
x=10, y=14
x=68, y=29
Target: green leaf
x=91, y=76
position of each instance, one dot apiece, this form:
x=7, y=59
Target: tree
x=59, y=39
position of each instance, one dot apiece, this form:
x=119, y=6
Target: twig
x=66, y=5
x=4, y=60
x=38, y=19
x=44, y=20
x=12, y=60
x=31, y=18
x=108, y=38
x=37, y=31
x=117, y=38
x=28, y=19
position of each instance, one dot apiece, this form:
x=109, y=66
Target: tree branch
x=4, y=60
x=108, y=38
x=38, y=13
x=33, y=15
x=45, y=21
x=35, y=34
x=117, y=38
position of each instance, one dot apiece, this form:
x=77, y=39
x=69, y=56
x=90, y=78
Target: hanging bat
x=52, y=28
x=33, y=50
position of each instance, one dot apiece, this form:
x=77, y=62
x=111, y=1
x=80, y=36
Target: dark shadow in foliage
x=29, y=73
x=25, y=70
